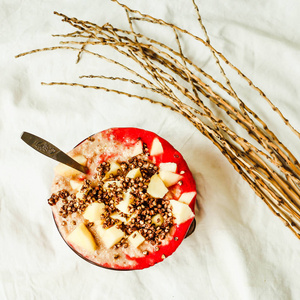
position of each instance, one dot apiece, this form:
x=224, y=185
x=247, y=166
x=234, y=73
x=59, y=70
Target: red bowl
x=113, y=144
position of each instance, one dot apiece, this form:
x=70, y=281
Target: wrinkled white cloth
x=240, y=249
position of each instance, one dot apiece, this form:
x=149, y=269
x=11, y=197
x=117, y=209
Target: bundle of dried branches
x=263, y=161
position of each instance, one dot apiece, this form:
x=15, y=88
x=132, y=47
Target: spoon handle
x=51, y=151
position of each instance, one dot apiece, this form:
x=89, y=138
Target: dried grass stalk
x=268, y=166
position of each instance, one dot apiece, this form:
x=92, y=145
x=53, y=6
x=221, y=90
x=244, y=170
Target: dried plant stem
x=263, y=161
x=148, y=18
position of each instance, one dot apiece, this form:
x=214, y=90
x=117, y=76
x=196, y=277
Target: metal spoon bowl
x=51, y=151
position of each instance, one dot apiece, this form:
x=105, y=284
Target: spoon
x=51, y=151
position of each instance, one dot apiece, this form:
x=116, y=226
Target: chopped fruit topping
x=136, y=239
x=171, y=167
x=156, y=187
x=66, y=171
x=100, y=229
x=156, y=147
x=157, y=219
x=123, y=206
x=131, y=218
x=81, y=159
x=187, y=197
x=80, y=195
x=82, y=237
x=94, y=211
x=112, y=236
x=117, y=216
x=134, y=173
x=114, y=167
x=169, y=178
x=181, y=212
x=138, y=149
x=76, y=185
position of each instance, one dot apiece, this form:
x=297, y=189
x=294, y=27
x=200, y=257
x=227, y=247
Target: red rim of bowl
x=190, y=230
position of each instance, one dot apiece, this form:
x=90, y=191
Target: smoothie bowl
x=134, y=206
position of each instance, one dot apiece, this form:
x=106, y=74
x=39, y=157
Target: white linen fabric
x=239, y=250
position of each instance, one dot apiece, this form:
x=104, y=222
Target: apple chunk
x=66, y=171
x=169, y=178
x=76, y=185
x=82, y=237
x=157, y=219
x=134, y=173
x=169, y=166
x=156, y=147
x=138, y=149
x=114, y=167
x=136, y=239
x=80, y=195
x=187, y=197
x=112, y=236
x=181, y=212
x=156, y=187
x=94, y=211
x=123, y=205
x=117, y=216
x=99, y=229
